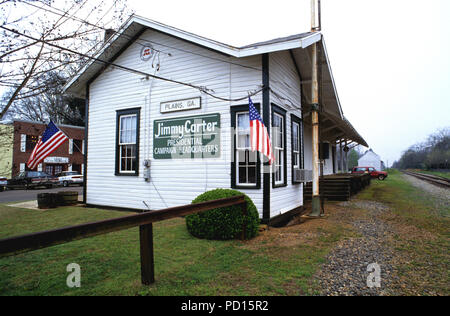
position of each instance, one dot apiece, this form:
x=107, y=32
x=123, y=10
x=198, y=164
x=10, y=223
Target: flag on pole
x=259, y=138
x=52, y=138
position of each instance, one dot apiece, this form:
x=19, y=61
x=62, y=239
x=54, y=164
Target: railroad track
x=436, y=180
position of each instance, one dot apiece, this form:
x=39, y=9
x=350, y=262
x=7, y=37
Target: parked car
x=67, y=178
x=31, y=180
x=380, y=175
x=3, y=182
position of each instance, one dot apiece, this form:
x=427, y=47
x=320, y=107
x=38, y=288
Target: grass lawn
x=281, y=261
x=110, y=264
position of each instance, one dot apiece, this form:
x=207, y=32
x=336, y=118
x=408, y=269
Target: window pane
x=252, y=175
x=242, y=174
x=295, y=137
x=133, y=129
x=280, y=139
x=128, y=158
x=243, y=141
x=277, y=173
x=243, y=121
x=243, y=131
x=276, y=121
x=242, y=157
x=128, y=127
x=253, y=158
x=133, y=164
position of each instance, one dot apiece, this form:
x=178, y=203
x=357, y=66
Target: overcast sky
x=390, y=58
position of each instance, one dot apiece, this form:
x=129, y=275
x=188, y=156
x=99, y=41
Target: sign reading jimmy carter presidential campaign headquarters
x=187, y=137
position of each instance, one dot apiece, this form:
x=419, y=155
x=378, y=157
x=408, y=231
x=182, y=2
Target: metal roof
x=279, y=40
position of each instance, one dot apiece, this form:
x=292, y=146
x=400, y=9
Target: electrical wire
x=143, y=40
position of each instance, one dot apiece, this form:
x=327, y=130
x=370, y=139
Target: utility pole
x=315, y=107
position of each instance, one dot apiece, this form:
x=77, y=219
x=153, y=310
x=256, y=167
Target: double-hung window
x=245, y=166
x=279, y=146
x=296, y=145
x=246, y=159
x=127, y=143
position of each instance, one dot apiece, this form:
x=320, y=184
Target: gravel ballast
x=346, y=270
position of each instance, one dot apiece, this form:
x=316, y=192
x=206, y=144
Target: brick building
x=68, y=157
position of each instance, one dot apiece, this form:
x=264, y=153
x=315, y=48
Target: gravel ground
x=441, y=194
x=345, y=272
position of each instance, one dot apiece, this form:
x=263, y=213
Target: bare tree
x=29, y=32
x=49, y=104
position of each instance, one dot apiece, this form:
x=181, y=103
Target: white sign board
x=56, y=160
x=181, y=105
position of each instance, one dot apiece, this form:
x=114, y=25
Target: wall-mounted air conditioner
x=302, y=175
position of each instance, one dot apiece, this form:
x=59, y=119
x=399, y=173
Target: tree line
x=434, y=153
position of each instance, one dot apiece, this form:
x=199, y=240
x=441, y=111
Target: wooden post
x=244, y=224
x=147, y=262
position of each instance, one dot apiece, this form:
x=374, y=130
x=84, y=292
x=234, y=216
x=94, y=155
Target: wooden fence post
x=147, y=259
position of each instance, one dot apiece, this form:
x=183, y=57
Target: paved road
x=28, y=195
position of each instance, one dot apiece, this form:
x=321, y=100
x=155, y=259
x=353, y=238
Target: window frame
x=235, y=110
x=119, y=114
x=276, y=110
x=296, y=120
x=29, y=142
x=77, y=146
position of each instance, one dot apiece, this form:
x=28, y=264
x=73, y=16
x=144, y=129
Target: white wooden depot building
x=154, y=142
x=370, y=159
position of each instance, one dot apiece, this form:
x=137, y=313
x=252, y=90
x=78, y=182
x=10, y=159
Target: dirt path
x=346, y=269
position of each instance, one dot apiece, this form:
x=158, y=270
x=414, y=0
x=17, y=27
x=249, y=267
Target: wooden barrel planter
x=47, y=200
x=67, y=198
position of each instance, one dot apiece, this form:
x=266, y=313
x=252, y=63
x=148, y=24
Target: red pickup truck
x=380, y=175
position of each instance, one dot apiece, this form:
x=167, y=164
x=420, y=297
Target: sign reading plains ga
x=187, y=137
x=181, y=105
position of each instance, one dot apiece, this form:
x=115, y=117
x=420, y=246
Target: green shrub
x=222, y=223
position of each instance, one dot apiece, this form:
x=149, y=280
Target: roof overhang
x=134, y=27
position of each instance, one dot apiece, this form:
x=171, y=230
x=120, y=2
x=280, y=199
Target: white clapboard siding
x=286, y=83
x=173, y=182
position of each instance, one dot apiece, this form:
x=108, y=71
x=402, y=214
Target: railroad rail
x=436, y=180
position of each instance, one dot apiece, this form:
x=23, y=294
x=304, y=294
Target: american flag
x=259, y=138
x=50, y=141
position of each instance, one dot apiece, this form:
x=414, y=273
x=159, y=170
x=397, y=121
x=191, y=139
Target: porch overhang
x=333, y=124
